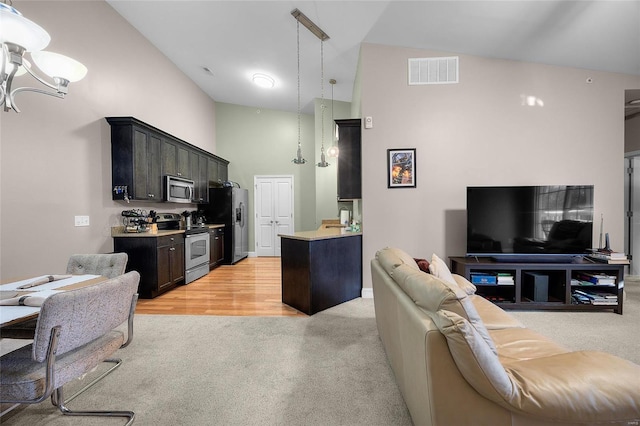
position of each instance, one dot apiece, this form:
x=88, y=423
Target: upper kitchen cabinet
x=349, y=160
x=141, y=155
x=136, y=167
x=217, y=172
x=175, y=160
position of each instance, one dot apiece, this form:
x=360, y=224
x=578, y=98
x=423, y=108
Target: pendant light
x=299, y=158
x=323, y=160
x=315, y=30
x=333, y=149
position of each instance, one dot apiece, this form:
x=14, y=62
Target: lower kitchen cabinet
x=217, y=247
x=159, y=260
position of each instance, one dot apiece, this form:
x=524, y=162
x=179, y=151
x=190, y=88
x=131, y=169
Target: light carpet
x=328, y=369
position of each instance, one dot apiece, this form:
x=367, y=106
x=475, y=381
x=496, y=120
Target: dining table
x=41, y=286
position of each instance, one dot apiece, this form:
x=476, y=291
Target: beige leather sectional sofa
x=461, y=360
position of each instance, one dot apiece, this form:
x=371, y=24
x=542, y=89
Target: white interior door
x=274, y=212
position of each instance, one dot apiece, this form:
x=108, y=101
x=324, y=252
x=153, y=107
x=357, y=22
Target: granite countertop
x=324, y=232
x=118, y=232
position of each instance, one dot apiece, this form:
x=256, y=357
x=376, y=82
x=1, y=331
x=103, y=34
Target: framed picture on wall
x=401, y=168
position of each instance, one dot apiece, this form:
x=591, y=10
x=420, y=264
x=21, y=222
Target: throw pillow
x=423, y=264
x=440, y=269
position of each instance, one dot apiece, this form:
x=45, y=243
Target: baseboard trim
x=367, y=293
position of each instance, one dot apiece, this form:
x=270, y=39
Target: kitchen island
x=321, y=268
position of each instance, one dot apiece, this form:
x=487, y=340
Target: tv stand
x=548, y=285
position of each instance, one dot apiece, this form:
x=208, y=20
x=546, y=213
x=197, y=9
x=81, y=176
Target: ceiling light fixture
x=302, y=19
x=18, y=36
x=333, y=150
x=263, y=80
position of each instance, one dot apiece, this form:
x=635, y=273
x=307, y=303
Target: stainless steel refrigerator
x=228, y=206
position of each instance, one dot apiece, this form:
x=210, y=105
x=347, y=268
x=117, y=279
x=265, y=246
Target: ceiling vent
x=433, y=70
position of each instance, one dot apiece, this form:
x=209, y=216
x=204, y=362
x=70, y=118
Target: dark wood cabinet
x=159, y=260
x=142, y=154
x=200, y=175
x=321, y=273
x=543, y=285
x=135, y=153
x=216, y=254
x=349, y=160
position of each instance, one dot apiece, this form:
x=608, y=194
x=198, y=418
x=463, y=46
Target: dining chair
x=109, y=265
x=75, y=332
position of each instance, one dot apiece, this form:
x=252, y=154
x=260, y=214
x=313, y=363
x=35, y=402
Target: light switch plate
x=82, y=221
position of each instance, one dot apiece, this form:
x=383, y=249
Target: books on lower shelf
x=596, y=278
x=492, y=278
x=592, y=297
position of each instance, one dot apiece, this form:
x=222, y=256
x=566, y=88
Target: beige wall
x=478, y=132
x=55, y=159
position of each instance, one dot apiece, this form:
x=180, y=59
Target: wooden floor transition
x=251, y=287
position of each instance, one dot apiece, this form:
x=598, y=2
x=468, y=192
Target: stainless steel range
x=196, y=252
x=196, y=245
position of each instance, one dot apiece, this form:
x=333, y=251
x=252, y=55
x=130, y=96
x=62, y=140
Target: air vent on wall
x=433, y=70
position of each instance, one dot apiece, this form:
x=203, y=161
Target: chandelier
x=20, y=36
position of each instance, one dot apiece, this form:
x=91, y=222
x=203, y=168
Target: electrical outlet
x=82, y=220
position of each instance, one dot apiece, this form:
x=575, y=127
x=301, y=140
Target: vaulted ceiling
x=235, y=39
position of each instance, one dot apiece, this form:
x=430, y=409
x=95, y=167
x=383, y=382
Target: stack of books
x=591, y=297
x=505, y=278
x=611, y=257
x=594, y=278
x=492, y=278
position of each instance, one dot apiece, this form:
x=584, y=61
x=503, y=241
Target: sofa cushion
x=390, y=258
x=477, y=363
x=493, y=316
x=521, y=344
x=433, y=294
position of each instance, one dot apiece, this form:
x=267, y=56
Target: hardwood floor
x=251, y=287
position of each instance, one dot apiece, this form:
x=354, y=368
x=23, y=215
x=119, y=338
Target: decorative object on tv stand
x=302, y=19
x=19, y=36
x=401, y=168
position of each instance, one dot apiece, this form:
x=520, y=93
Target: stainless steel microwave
x=178, y=190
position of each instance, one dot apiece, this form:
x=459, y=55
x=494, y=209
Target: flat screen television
x=529, y=223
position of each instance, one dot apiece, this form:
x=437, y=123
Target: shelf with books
x=545, y=285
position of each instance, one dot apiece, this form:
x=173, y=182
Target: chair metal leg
x=115, y=361
x=57, y=399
